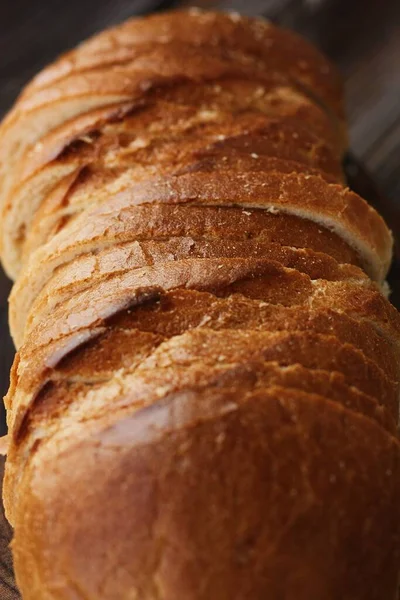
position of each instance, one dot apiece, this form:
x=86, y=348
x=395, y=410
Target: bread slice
x=92, y=185
x=312, y=350
x=260, y=279
x=117, y=349
x=17, y=216
x=109, y=226
x=90, y=309
x=56, y=337
x=33, y=123
x=222, y=530
x=331, y=206
x=111, y=223
x=88, y=96
x=152, y=67
x=257, y=37
x=77, y=393
x=181, y=106
x=174, y=312
x=255, y=278
x=37, y=179
x=90, y=269
x=99, y=183
x=40, y=172
x=143, y=144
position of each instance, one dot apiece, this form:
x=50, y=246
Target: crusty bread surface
x=204, y=400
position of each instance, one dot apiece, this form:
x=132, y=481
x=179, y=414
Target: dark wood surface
x=361, y=36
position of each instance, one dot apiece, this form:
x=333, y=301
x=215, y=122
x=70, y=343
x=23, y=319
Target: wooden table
x=361, y=36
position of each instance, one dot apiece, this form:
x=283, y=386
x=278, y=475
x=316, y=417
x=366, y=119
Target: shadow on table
x=8, y=590
x=6, y=347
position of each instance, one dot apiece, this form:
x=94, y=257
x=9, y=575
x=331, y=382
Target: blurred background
x=361, y=36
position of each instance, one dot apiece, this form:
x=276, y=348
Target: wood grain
x=362, y=37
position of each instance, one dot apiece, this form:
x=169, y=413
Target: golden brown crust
x=182, y=107
x=175, y=312
x=92, y=307
x=88, y=270
x=181, y=361
x=250, y=35
x=91, y=89
x=151, y=67
x=107, y=227
x=185, y=131
x=332, y=206
x=258, y=279
x=202, y=529
x=312, y=350
x=70, y=198
x=204, y=404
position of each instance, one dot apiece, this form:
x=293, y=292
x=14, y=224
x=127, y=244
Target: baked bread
x=204, y=401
